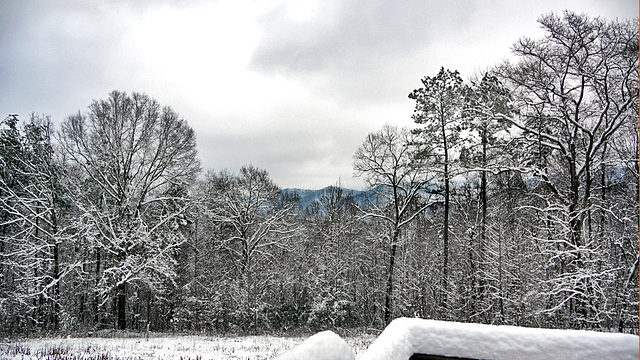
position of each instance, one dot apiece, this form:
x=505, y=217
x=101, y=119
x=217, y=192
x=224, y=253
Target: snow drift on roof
x=405, y=337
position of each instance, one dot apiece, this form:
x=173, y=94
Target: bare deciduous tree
x=388, y=161
x=129, y=154
x=255, y=218
x=575, y=89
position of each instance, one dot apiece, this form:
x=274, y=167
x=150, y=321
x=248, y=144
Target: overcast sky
x=289, y=86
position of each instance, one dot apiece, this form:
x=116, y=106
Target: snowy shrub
x=285, y=316
x=332, y=312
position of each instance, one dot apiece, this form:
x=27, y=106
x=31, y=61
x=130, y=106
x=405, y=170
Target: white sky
x=289, y=86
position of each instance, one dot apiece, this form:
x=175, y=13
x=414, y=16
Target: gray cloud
x=356, y=34
x=300, y=146
x=359, y=50
x=314, y=86
x=58, y=54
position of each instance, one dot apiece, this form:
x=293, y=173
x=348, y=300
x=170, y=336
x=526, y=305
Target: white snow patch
x=405, y=337
x=326, y=345
x=155, y=348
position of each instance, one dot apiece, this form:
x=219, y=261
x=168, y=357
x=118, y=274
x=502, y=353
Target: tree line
x=513, y=199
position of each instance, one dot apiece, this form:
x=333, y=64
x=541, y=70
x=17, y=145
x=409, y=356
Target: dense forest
x=511, y=198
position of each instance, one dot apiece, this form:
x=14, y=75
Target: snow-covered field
x=399, y=341
x=165, y=348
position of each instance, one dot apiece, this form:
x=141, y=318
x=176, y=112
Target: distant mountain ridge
x=308, y=197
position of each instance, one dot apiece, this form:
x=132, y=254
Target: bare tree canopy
x=133, y=161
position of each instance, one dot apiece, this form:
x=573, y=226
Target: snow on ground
x=325, y=345
x=405, y=337
x=180, y=347
x=165, y=347
x=401, y=339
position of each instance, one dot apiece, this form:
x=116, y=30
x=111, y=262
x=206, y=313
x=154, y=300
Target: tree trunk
x=55, y=316
x=96, y=316
x=576, y=305
x=603, y=193
x=445, y=225
x=483, y=220
x=121, y=305
x=388, y=300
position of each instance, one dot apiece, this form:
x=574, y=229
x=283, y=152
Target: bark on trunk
x=388, y=301
x=121, y=305
x=445, y=230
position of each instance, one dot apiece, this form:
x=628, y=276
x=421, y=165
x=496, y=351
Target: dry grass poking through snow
x=165, y=348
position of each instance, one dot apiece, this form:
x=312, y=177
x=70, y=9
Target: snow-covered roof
x=405, y=337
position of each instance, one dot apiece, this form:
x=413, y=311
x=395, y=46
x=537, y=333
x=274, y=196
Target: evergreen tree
x=439, y=110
